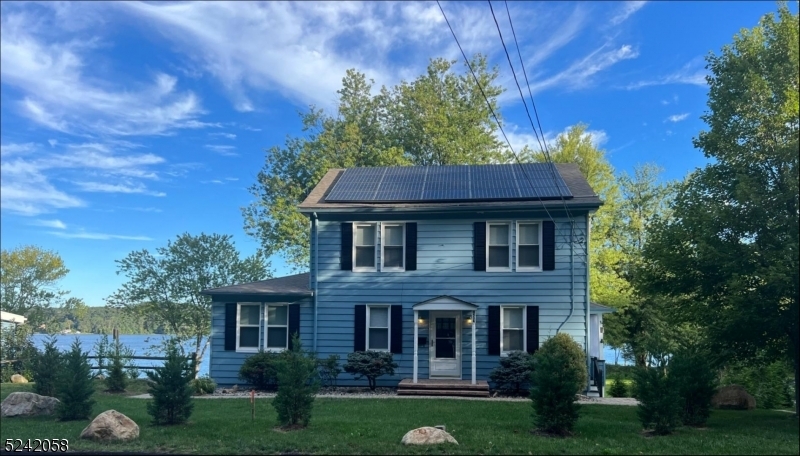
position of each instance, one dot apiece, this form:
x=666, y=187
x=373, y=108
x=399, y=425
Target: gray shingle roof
x=596, y=308
x=293, y=285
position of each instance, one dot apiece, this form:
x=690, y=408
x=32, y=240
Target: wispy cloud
x=224, y=135
x=213, y=181
x=692, y=73
x=625, y=11
x=677, y=117
x=98, y=236
x=116, y=188
x=50, y=224
x=579, y=74
x=7, y=150
x=222, y=149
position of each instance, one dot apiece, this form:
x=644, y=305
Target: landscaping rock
x=733, y=397
x=16, y=378
x=100, y=377
x=427, y=436
x=111, y=426
x=28, y=404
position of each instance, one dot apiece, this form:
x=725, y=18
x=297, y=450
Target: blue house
x=447, y=267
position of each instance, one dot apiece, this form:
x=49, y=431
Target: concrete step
x=448, y=392
x=480, y=386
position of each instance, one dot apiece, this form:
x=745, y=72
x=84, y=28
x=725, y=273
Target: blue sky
x=125, y=124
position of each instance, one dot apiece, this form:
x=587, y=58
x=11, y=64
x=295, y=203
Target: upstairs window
x=529, y=246
x=364, y=247
x=378, y=328
x=248, y=328
x=513, y=327
x=498, y=255
x=393, y=246
x=277, y=328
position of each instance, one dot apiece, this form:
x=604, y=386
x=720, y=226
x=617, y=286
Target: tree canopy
x=29, y=277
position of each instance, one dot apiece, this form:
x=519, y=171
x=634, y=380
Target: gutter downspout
x=571, y=276
x=314, y=228
x=587, y=298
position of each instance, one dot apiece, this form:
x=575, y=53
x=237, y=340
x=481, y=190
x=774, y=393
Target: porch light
x=421, y=321
x=469, y=320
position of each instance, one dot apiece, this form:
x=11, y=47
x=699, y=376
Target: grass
x=375, y=426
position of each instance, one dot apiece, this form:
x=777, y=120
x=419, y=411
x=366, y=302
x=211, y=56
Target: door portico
x=446, y=320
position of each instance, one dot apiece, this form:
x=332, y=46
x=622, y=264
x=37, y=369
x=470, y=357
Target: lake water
x=141, y=344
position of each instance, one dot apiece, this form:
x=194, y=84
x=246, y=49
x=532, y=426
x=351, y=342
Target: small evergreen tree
x=170, y=388
x=260, y=370
x=297, y=385
x=75, y=386
x=329, y=370
x=618, y=387
x=46, y=368
x=559, y=374
x=659, y=402
x=514, y=372
x=696, y=383
x=370, y=365
x=117, y=381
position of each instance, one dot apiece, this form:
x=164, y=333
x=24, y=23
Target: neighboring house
x=447, y=267
x=9, y=320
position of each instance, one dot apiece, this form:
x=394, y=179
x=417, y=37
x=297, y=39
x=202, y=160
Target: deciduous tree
x=29, y=277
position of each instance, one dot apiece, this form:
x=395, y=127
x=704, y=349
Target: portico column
x=416, y=342
x=474, y=357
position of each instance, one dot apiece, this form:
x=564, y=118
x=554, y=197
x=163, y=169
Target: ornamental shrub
x=260, y=370
x=297, y=385
x=559, y=373
x=370, y=365
x=659, y=406
x=75, y=385
x=696, y=383
x=169, y=386
x=47, y=366
x=329, y=370
x=117, y=380
x=203, y=385
x=618, y=387
x=514, y=373
x=18, y=352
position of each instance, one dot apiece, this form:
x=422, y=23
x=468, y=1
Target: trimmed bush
x=696, y=382
x=16, y=345
x=75, y=386
x=370, y=365
x=513, y=375
x=203, y=385
x=659, y=406
x=47, y=366
x=260, y=370
x=172, y=395
x=329, y=370
x=559, y=373
x=618, y=388
x=297, y=385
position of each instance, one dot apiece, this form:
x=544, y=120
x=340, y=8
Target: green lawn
x=375, y=426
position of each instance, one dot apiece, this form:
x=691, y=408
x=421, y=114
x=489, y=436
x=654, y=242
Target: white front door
x=445, y=347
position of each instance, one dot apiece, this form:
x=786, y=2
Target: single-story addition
x=447, y=267
x=9, y=320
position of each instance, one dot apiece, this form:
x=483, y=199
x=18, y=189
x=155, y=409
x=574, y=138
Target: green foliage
x=370, y=365
x=618, y=388
x=28, y=282
x=696, y=382
x=47, y=366
x=771, y=383
x=16, y=345
x=169, y=386
x=514, y=373
x=203, y=385
x=440, y=118
x=75, y=386
x=297, y=385
x=329, y=370
x=260, y=370
x=729, y=257
x=166, y=286
x=102, y=350
x=659, y=406
x=117, y=380
x=559, y=373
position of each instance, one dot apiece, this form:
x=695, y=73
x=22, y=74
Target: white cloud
x=628, y=8
x=98, y=236
x=677, y=117
x=224, y=135
x=51, y=224
x=222, y=149
x=520, y=139
x=52, y=142
x=25, y=190
x=213, y=181
x=692, y=73
x=7, y=150
x=116, y=188
x=578, y=75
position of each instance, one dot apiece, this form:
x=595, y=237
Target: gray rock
x=111, y=426
x=28, y=404
x=427, y=436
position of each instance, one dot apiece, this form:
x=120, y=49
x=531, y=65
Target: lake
x=139, y=343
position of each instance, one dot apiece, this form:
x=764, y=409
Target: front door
x=445, y=349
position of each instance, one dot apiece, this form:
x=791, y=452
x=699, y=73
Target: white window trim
x=383, y=255
x=375, y=247
x=503, y=351
x=516, y=243
x=267, y=325
x=238, y=327
x=388, y=329
x=510, y=235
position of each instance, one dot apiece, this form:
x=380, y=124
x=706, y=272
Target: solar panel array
x=449, y=183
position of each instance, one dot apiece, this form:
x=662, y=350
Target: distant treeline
x=99, y=320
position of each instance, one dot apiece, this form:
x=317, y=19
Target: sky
x=125, y=124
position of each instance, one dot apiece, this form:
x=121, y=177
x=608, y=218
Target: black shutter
x=346, y=260
x=294, y=322
x=230, y=326
x=396, y=344
x=360, y=328
x=532, y=327
x=494, y=330
x=548, y=246
x=479, y=246
x=411, y=247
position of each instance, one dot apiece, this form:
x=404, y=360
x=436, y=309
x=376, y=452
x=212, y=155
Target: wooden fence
x=190, y=358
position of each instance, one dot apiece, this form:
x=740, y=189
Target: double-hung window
x=248, y=327
x=512, y=324
x=378, y=328
x=498, y=246
x=364, y=251
x=393, y=247
x=529, y=246
x=277, y=325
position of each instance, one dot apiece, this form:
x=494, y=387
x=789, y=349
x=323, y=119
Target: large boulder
x=427, y=436
x=111, y=426
x=16, y=378
x=28, y=404
x=733, y=397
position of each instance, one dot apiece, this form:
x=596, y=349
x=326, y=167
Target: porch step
x=442, y=387
x=460, y=393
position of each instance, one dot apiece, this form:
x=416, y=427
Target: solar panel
x=449, y=183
